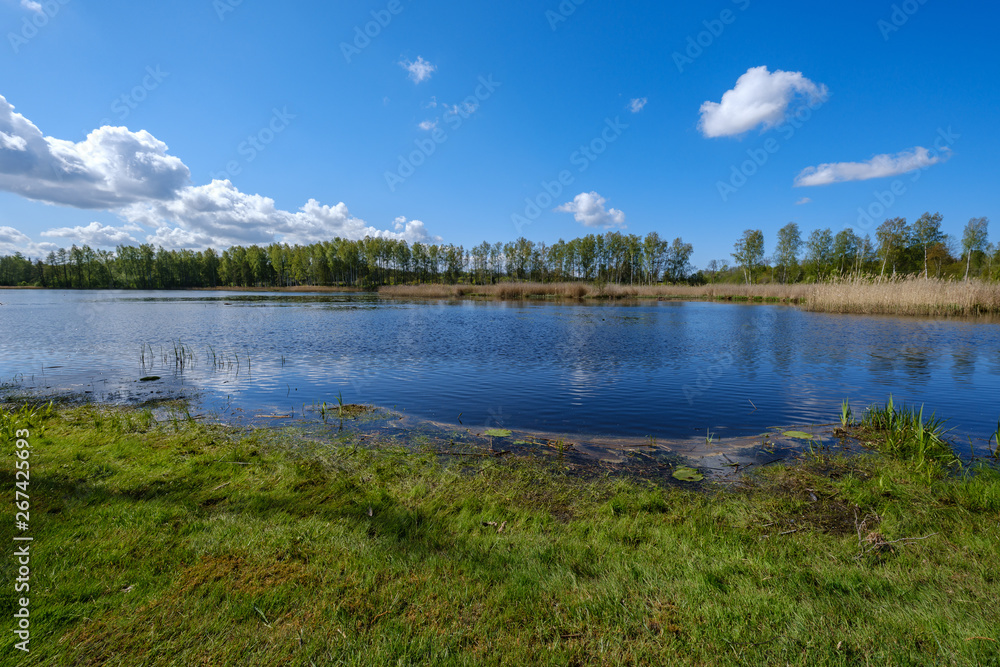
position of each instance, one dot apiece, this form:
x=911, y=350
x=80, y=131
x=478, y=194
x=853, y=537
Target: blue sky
x=123, y=121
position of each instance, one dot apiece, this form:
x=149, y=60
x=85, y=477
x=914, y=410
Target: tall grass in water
x=890, y=296
x=905, y=434
x=905, y=296
x=581, y=290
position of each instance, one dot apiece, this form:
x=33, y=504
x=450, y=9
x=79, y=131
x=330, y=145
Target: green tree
x=786, y=253
x=974, y=239
x=820, y=252
x=926, y=233
x=749, y=253
x=893, y=237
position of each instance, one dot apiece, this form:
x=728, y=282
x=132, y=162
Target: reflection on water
x=669, y=370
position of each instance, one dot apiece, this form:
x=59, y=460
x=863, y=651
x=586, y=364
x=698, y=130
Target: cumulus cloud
x=13, y=241
x=32, y=6
x=588, y=209
x=420, y=70
x=112, y=167
x=804, y=200
x=220, y=214
x=879, y=166
x=428, y=125
x=96, y=235
x=636, y=105
x=759, y=99
x=132, y=174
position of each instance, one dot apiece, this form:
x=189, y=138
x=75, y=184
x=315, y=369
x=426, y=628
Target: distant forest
x=899, y=248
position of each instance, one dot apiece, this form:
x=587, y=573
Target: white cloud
x=465, y=109
x=32, y=6
x=420, y=70
x=879, y=166
x=112, y=167
x=96, y=235
x=760, y=98
x=804, y=200
x=12, y=143
x=13, y=240
x=636, y=105
x=131, y=174
x=428, y=125
x=219, y=214
x=588, y=209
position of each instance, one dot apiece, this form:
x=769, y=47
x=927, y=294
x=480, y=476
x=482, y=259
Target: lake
x=665, y=370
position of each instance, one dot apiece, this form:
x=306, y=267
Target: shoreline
x=893, y=296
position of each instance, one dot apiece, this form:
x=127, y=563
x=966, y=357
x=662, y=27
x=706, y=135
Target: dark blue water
x=669, y=370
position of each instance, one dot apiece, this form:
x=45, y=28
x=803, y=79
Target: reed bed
x=580, y=290
x=906, y=296
x=890, y=296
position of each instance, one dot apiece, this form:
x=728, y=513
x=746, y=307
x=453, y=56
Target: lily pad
x=686, y=474
x=497, y=433
x=800, y=435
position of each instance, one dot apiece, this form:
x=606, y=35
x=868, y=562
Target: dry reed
x=892, y=296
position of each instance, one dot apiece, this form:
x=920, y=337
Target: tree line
x=369, y=262
x=898, y=248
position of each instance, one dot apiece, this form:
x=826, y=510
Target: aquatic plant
x=904, y=433
x=687, y=474
x=846, y=416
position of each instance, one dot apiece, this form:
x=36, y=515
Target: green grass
x=181, y=543
x=904, y=433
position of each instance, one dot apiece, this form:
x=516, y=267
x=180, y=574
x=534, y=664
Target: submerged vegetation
x=184, y=542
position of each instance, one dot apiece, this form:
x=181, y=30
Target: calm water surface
x=669, y=370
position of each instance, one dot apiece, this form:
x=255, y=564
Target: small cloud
x=465, y=109
x=96, y=234
x=804, y=200
x=432, y=104
x=636, y=105
x=420, y=70
x=879, y=166
x=32, y=6
x=428, y=125
x=588, y=209
x=759, y=99
x=13, y=241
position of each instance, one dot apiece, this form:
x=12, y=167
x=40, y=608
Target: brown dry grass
x=892, y=296
x=906, y=296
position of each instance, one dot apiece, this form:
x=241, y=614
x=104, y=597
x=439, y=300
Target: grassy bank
x=187, y=543
x=897, y=296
